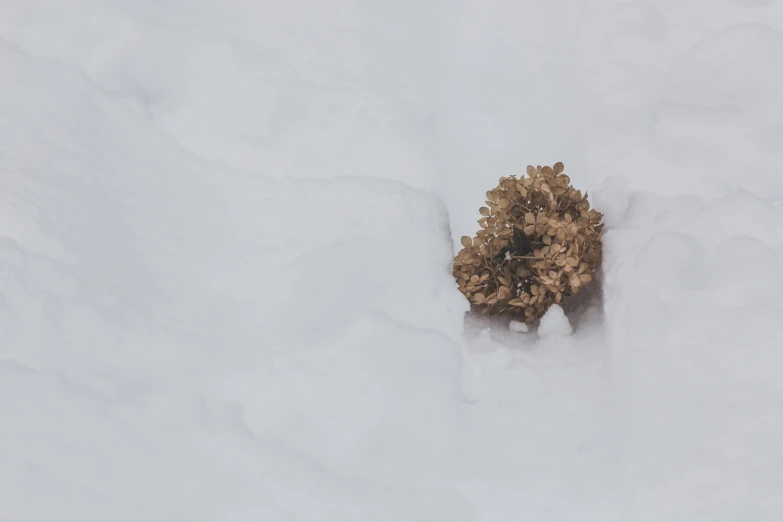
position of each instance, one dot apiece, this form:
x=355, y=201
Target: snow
x=518, y=327
x=226, y=236
x=694, y=347
x=554, y=323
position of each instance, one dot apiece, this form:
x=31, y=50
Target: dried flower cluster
x=539, y=243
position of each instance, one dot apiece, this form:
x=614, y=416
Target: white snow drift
x=226, y=235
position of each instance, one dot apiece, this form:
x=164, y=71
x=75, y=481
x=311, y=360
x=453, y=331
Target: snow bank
x=694, y=308
x=155, y=305
x=301, y=90
x=684, y=99
x=685, y=156
x=225, y=292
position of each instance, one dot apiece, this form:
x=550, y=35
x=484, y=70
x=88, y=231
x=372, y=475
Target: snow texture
x=518, y=327
x=226, y=235
x=554, y=323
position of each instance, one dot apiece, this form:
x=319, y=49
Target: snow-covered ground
x=226, y=234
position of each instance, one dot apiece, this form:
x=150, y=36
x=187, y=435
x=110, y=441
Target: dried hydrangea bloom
x=539, y=243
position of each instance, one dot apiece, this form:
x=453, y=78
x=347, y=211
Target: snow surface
x=518, y=326
x=554, y=323
x=226, y=233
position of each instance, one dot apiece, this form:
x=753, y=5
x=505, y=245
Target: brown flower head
x=539, y=243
